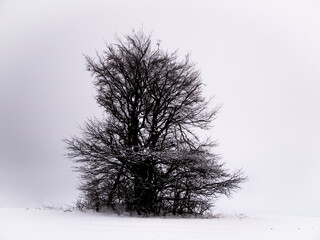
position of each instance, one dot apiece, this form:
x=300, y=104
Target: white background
x=260, y=59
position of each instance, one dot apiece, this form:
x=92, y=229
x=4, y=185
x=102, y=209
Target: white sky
x=260, y=59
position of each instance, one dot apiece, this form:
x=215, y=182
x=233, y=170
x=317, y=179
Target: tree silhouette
x=144, y=155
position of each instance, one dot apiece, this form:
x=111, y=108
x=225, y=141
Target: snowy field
x=54, y=224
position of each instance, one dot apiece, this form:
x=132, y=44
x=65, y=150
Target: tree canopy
x=144, y=156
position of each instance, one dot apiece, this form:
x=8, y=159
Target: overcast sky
x=260, y=59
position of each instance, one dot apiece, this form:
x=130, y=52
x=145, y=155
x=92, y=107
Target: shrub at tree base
x=144, y=155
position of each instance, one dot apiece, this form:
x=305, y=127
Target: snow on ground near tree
x=53, y=224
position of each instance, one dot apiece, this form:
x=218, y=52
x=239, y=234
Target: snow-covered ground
x=53, y=224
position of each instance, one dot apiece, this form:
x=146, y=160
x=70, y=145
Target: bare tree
x=144, y=155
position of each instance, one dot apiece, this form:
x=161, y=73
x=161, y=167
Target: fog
x=260, y=59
